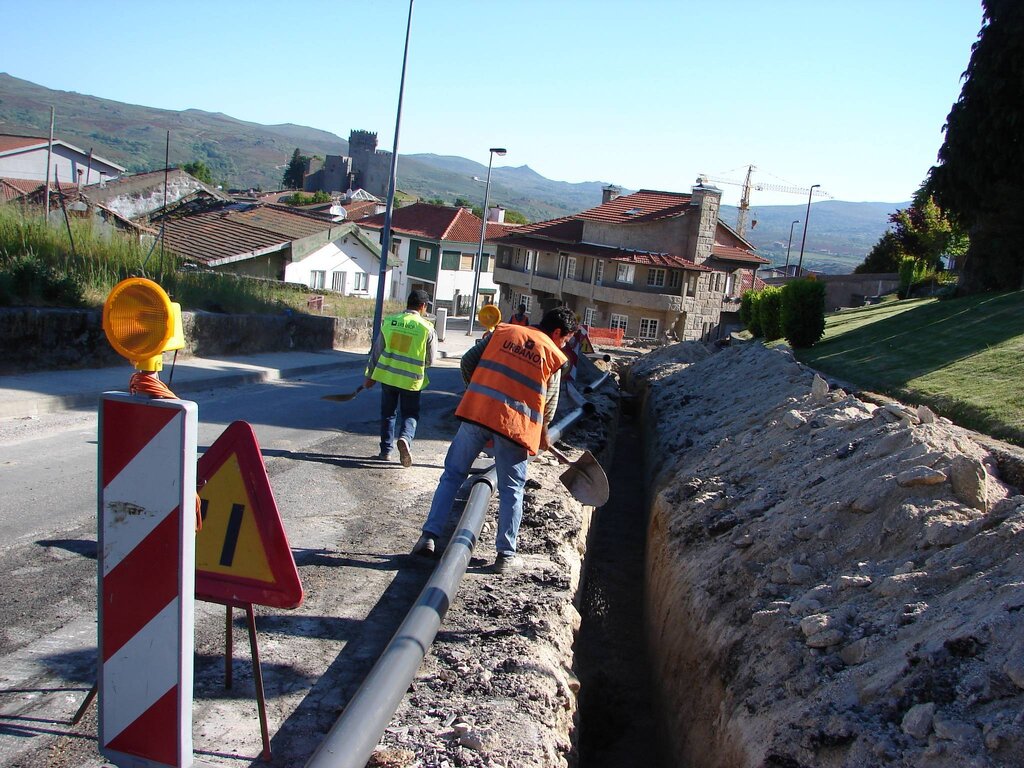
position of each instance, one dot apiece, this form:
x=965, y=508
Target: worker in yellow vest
x=512, y=379
x=401, y=354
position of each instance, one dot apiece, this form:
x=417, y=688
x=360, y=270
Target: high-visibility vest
x=516, y=320
x=402, y=363
x=508, y=389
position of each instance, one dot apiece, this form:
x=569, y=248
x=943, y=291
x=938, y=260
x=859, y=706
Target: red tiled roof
x=359, y=209
x=566, y=229
x=433, y=222
x=9, y=142
x=215, y=237
x=644, y=206
x=608, y=252
x=732, y=253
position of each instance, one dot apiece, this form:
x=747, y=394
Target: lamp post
x=385, y=241
x=790, y=246
x=807, y=221
x=500, y=151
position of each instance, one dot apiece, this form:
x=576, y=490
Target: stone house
x=436, y=248
x=654, y=264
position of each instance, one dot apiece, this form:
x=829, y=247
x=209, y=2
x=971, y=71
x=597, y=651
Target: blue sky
x=851, y=95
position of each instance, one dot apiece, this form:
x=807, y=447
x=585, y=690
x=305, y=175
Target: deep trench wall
x=830, y=582
x=33, y=339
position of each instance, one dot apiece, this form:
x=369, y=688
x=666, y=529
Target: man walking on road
x=401, y=354
x=512, y=380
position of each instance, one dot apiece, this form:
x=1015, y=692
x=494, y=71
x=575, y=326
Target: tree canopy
x=199, y=170
x=296, y=171
x=979, y=180
x=921, y=232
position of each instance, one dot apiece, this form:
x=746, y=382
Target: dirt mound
x=839, y=583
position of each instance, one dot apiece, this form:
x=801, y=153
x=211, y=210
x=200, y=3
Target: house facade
x=435, y=247
x=349, y=263
x=657, y=265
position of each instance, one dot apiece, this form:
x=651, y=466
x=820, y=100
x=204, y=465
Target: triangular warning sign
x=242, y=553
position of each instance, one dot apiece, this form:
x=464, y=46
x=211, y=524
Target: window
x=395, y=242
x=338, y=282
x=655, y=278
x=361, y=282
x=531, y=259
x=450, y=259
x=570, y=267
x=598, y=272
x=589, y=315
x=619, y=321
x=466, y=262
x=648, y=328
x=691, y=283
x=705, y=333
x=486, y=263
x=730, y=284
x=521, y=298
x=624, y=273
x=675, y=278
x=423, y=253
x=317, y=278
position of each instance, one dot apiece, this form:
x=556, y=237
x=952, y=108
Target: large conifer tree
x=980, y=176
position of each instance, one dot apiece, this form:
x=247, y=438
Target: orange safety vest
x=508, y=389
x=516, y=320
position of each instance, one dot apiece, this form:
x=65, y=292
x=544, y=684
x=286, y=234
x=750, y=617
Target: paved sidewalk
x=31, y=394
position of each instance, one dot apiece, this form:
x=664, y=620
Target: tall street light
x=807, y=221
x=790, y=246
x=500, y=151
x=385, y=241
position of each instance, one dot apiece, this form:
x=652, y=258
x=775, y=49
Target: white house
x=348, y=264
x=24, y=157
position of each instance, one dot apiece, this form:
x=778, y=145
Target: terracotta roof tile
x=433, y=222
x=732, y=253
x=9, y=142
x=644, y=206
x=215, y=237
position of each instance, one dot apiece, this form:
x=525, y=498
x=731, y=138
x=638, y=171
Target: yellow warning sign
x=230, y=542
x=242, y=552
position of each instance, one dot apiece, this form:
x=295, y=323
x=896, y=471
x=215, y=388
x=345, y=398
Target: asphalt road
x=350, y=520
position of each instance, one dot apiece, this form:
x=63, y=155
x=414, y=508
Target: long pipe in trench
x=352, y=738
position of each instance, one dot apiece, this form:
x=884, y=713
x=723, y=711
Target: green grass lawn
x=964, y=358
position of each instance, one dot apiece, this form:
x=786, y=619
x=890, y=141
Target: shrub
x=912, y=271
x=769, y=309
x=746, y=308
x=803, y=312
x=754, y=326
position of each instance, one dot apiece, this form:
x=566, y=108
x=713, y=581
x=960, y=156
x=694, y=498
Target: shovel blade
x=343, y=397
x=586, y=481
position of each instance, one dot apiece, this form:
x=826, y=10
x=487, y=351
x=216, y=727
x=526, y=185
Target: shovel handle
x=562, y=458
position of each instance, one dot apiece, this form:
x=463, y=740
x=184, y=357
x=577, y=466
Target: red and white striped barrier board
x=147, y=497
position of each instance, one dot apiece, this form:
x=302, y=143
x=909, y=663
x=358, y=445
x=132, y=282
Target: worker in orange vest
x=512, y=380
x=520, y=317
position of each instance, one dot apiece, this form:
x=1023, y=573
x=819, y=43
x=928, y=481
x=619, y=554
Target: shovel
x=585, y=479
x=344, y=397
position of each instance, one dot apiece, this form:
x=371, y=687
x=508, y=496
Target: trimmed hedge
x=769, y=310
x=803, y=312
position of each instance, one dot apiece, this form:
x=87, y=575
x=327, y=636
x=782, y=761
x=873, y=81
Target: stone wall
x=33, y=339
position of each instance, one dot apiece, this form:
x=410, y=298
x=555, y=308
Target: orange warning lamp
x=489, y=316
x=141, y=323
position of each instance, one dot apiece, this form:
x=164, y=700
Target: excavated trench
x=617, y=719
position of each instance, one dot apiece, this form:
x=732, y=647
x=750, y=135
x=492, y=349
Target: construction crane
x=748, y=185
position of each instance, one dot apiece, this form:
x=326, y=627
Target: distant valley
x=242, y=154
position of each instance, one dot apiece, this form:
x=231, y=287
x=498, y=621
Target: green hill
x=242, y=154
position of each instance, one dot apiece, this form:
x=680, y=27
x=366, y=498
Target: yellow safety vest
x=402, y=364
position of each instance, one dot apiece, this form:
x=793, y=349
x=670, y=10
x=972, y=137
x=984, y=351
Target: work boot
x=424, y=546
x=384, y=456
x=506, y=561
x=404, y=454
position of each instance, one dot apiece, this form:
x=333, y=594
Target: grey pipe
x=352, y=738
x=596, y=383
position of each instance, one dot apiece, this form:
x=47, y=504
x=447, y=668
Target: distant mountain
x=840, y=235
x=242, y=154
